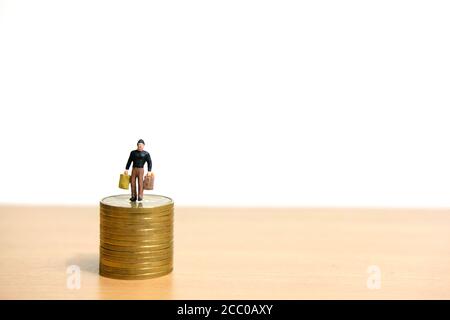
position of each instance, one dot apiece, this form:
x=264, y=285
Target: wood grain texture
x=237, y=253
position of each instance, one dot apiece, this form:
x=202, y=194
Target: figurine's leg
x=141, y=182
x=133, y=182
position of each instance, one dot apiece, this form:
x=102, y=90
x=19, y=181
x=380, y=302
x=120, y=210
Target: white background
x=241, y=103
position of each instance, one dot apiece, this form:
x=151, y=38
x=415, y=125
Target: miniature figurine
x=138, y=157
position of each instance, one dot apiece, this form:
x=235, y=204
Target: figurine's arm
x=149, y=162
x=130, y=159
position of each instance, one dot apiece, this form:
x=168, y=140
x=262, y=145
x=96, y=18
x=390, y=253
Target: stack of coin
x=136, y=238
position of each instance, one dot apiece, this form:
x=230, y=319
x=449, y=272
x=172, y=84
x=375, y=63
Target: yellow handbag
x=124, y=182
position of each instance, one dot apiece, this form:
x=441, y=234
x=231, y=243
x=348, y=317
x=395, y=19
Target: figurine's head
x=140, y=145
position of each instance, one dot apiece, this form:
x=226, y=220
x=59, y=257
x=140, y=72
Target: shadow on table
x=88, y=262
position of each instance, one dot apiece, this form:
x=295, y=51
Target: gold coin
x=136, y=227
x=131, y=243
x=137, y=220
x=155, y=242
x=134, y=220
x=133, y=223
x=135, y=271
x=137, y=245
x=107, y=225
x=127, y=269
x=138, y=255
x=133, y=229
x=141, y=235
x=149, y=201
x=137, y=210
x=109, y=238
x=132, y=206
x=133, y=237
x=149, y=255
x=136, y=251
x=138, y=235
x=142, y=276
x=123, y=264
x=166, y=228
x=142, y=232
x=113, y=237
x=136, y=258
x=141, y=209
x=137, y=262
x=142, y=226
x=136, y=232
x=131, y=273
x=131, y=240
x=144, y=248
x=134, y=244
x=129, y=214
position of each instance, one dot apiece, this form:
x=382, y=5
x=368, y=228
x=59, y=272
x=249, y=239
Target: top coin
x=149, y=201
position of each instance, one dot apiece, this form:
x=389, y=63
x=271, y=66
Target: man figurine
x=138, y=157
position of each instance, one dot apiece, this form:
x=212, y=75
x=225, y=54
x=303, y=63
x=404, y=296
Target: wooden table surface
x=237, y=253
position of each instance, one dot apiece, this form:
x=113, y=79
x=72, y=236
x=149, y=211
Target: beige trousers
x=139, y=174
